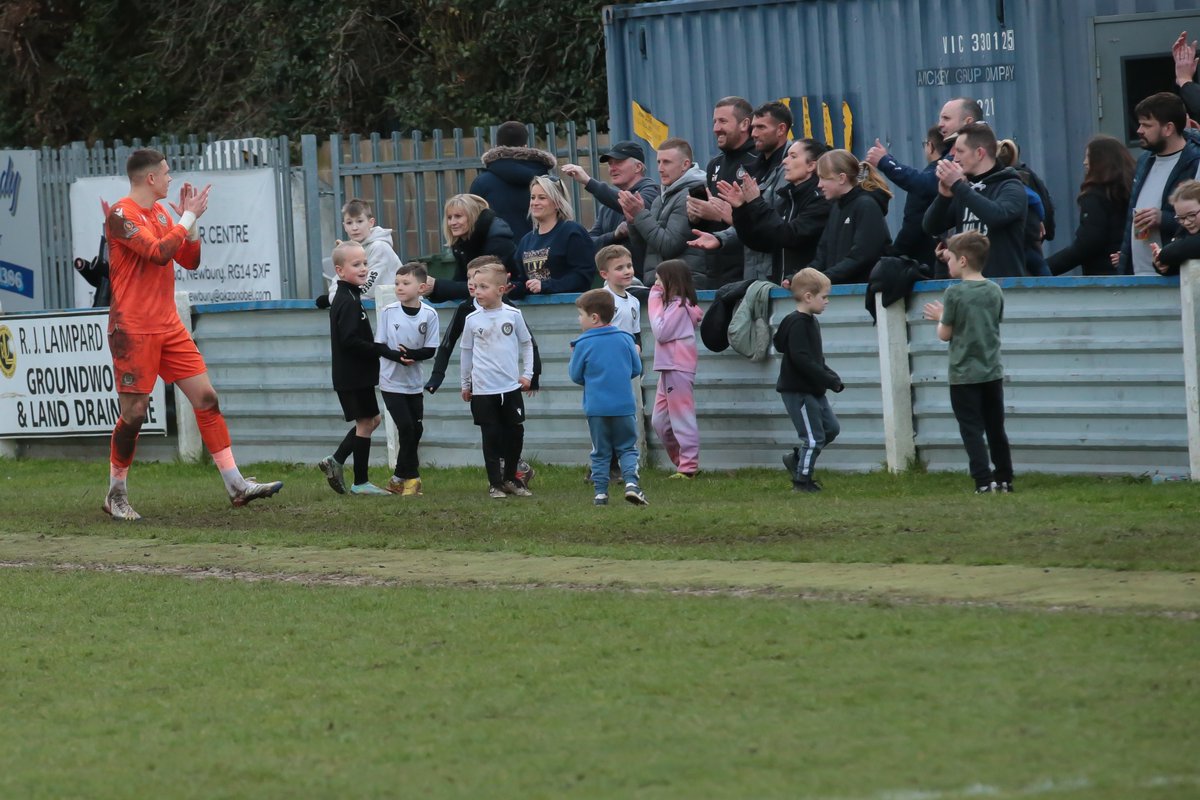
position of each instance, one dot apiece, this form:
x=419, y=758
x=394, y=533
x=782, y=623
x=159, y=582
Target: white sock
x=117, y=483
x=234, y=482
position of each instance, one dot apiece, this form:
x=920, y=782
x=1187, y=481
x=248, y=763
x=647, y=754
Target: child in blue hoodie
x=603, y=361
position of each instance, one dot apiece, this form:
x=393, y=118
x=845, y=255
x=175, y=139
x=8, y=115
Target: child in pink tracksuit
x=674, y=314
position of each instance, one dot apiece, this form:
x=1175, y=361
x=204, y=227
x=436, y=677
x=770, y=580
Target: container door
x=1133, y=61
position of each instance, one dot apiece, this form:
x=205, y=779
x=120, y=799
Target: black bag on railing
x=95, y=272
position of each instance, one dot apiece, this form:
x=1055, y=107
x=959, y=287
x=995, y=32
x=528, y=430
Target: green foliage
x=120, y=69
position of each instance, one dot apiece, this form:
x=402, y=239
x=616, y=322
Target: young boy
x=356, y=357
x=603, y=361
x=358, y=220
x=804, y=377
x=615, y=265
x=411, y=326
x=497, y=365
x=969, y=319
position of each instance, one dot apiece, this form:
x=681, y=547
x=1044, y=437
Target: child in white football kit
x=411, y=326
x=497, y=365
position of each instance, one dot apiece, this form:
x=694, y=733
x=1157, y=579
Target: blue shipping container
x=1049, y=73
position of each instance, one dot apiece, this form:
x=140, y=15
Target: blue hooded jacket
x=603, y=361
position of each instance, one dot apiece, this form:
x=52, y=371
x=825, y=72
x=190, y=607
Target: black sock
x=362, y=454
x=345, y=448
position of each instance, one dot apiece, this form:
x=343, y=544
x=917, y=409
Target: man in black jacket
x=731, y=127
x=977, y=194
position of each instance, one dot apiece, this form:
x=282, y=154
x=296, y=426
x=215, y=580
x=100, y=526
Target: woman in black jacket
x=856, y=234
x=790, y=225
x=1103, y=206
x=471, y=230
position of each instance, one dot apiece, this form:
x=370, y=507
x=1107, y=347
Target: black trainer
x=792, y=460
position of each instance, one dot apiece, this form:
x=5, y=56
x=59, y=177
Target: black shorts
x=498, y=409
x=358, y=403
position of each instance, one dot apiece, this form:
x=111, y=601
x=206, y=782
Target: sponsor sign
x=239, y=234
x=21, y=284
x=56, y=378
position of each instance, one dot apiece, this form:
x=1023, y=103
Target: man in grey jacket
x=664, y=229
x=627, y=171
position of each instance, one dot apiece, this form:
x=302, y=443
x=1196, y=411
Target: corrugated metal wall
x=675, y=58
x=1095, y=385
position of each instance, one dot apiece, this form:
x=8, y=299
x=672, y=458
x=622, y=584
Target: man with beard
x=977, y=194
x=737, y=159
x=769, y=131
x=1171, y=157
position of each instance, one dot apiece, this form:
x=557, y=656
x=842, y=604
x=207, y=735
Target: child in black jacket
x=355, y=357
x=1186, y=244
x=804, y=377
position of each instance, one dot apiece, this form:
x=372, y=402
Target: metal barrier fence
x=61, y=166
x=408, y=178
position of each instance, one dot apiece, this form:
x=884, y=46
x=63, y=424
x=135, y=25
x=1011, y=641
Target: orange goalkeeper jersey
x=143, y=246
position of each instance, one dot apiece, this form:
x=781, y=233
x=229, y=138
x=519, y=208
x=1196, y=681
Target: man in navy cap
x=627, y=170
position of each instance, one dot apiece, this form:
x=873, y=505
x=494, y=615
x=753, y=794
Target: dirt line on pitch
x=1174, y=593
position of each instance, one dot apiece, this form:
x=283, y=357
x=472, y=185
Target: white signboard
x=56, y=378
x=22, y=287
x=239, y=234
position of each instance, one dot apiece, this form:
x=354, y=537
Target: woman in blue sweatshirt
x=557, y=256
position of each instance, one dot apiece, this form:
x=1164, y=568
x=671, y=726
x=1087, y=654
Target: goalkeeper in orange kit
x=145, y=334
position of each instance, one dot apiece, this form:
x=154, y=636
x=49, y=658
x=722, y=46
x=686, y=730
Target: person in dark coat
x=1103, y=206
x=737, y=158
x=921, y=188
x=792, y=229
x=471, y=230
x=507, y=170
x=976, y=194
x=856, y=234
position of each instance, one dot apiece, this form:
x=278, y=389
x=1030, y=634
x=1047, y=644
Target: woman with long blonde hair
x=557, y=255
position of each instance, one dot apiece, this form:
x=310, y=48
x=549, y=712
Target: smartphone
x=698, y=192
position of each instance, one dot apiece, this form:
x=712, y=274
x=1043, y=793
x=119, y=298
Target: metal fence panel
x=1094, y=385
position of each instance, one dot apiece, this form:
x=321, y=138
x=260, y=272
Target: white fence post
x=895, y=377
x=1189, y=301
x=191, y=446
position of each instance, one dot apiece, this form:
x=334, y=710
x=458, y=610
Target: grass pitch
x=133, y=685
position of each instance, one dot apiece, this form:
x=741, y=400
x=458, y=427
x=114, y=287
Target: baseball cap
x=623, y=150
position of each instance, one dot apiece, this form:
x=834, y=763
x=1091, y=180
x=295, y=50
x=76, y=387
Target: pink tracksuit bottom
x=674, y=419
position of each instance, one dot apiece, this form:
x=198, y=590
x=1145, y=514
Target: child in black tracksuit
x=804, y=377
x=355, y=358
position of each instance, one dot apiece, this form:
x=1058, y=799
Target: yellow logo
x=8, y=353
